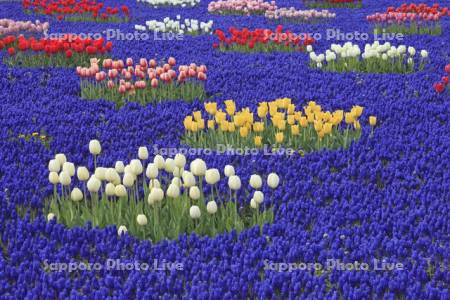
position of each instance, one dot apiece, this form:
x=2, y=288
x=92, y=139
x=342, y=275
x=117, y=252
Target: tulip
x=254, y=204
x=94, y=147
x=82, y=173
x=180, y=160
x=194, y=212
x=155, y=195
x=119, y=166
x=53, y=178
x=61, y=158
x=273, y=180
x=76, y=195
x=176, y=181
x=159, y=162
x=258, y=196
x=188, y=179
x=122, y=230
x=211, y=207
x=152, y=171
x=50, y=217
x=198, y=167
x=120, y=191
x=372, y=121
x=177, y=172
x=93, y=184
x=136, y=167
x=194, y=193
x=154, y=183
x=234, y=182
x=141, y=220
x=173, y=191
x=169, y=165
x=128, y=179
x=64, y=178
x=110, y=189
x=100, y=173
x=255, y=181
x=143, y=153
x=54, y=165
x=212, y=176
x=228, y=170
x=424, y=54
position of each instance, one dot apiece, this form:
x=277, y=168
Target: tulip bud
x=177, y=172
x=169, y=165
x=424, y=54
x=156, y=195
x=273, y=180
x=158, y=160
x=372, y=121
x=255, y=181
x=234, y=182
x=53, y=178
x=50, y=217
x=194, y=212
x=110, y=174
x=94, y=147
x=198, y=167
x=110, y=189
x=69, y=168
x=194, y=193
x=82, y=173
x=254, y=204
x=212, y=176
x=119, y=166
x=180, y=160
x=211, y=207
x=188, y=179
x=143, y=153
x=141, y=220
x=152, y=171
x=173, y=191
x=54, y=165
x=136, y=167
x=228, y=170
x=177, y=181
x=128, y=179
x=100, y=173
x=61, y=158
x=120, y=191
x=122, y=230
x=258, y=196
x=76, y=195
x=93, y=184
x=64, y=178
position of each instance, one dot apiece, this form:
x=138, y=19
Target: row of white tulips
x=182, y=3
x=187, y=26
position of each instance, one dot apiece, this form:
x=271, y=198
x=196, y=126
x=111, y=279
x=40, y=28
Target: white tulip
x=234, y=182
x=143, y=153
x=61, y=158
x=273, y=180
x=254, y=204
x=258, y=196
x=212, y=176
x=54, y=165
x=194, y=193
x=188, y=179
x=64, y=178
x=424, y=54
x=53, y=178
x=128, y=169
x=50, y=217
x=177, y=181
x=154, y=183
x=411, y=51
x=152, y=171
x=120, y=191
x=228, y=170
x=110, y=174
x=173, y=191
x=180, y=160
x=76, y=195
x=309, y=48
x=211, y=207
x=136, y=167
x=169, y=165
x=94, y=147
x=158, y=160
x=100, y=173
x=384, y=56
x=255, y=181
x=120, y=167
x=110, y=189
x=198, y=167
x=141, y=220
x=128, y=179
x=156, y=195
x=93, y=184
x=82, y=173
x=122, y=230
x=194, y=212
x=69, y=168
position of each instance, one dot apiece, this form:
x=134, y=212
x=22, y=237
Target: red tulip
x=69, y=53
x=445, y=79
x=439, y=87
x=447, y=68
x=11, y=51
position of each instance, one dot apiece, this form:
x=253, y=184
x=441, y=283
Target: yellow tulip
x=197, y=115
x=318, y=125
x=357, y=125
x=295, y=130
x=279, y=137
x=327, y=128
x=349, y=118
x=35, y=134
x=291, y=109
x=201, y=124
x=291, y=119
x=211, y=124
x=372, y=121
x=194, y=127
x=258, y=141
x=357, y=110
x=211, y=107
x=297, y=115
x=224, y=126
x=187, y=122
x=310, y=117
x=321, y=134
x=281, y=124
x=231, y=127
x=258, y=127
x=303, y=122
x=243, y=132
x=230, y=107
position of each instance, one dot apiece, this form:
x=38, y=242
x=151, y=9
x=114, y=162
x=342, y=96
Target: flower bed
x=66, y=51
x=78, y=10
x=8, y=26
x=154, y=200
x=187, y=26
x=146, y=82
x=333, y=3
x=240, y=7
x=170, y=3
x=297, y=16
x=443, y=85
x=376, y=58
x=261, y=40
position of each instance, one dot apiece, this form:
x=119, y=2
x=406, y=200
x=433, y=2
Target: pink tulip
x=171, y=61
x=122, y=89
x=129, y=61
x=154, y=83
x=110, y=84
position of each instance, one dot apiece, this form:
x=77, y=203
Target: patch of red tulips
x=421, y=8
x=261, y=40
x=77, y=10
x=440, y=86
